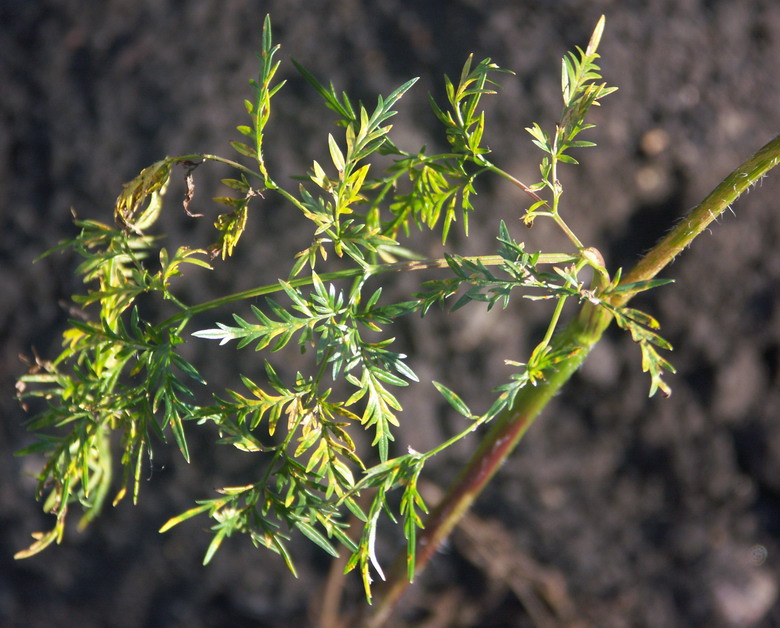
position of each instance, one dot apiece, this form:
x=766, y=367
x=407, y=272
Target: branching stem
x=376, y=269
x=122, y=373
x=552, y=211
x=578, y=337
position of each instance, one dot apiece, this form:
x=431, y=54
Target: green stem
x=553, y=324
x=558, y=310
x=578, y=337
x=505, y=432
x=517, y=182
x=267, y=182
x=718, y=201
x=229, y=162
x=567, y=230
x=422, y=264
x=553, y=211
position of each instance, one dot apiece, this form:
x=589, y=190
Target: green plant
x=122, y=371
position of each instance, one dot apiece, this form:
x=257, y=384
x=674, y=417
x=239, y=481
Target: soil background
x=615, y=510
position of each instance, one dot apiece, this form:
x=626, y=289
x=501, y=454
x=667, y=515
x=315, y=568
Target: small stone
x=745, y=600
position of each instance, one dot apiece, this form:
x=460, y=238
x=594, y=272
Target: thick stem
x=505, y=432
x=717, y=202
x=578, y=337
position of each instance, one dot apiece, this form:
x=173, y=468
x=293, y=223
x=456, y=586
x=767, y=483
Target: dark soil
x=616, y=510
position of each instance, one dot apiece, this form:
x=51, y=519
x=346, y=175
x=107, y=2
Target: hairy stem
x=505, y=432
x=718, y=201
x=578, y=337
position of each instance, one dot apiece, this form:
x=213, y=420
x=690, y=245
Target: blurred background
x=615, y=510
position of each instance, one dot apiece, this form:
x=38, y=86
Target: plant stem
x=718, y=201
x=578, y=337
x=517, y=182
x=505, y=432
x=553, y=210
x=567, y=230
x=553, y=324
x=421, y=264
